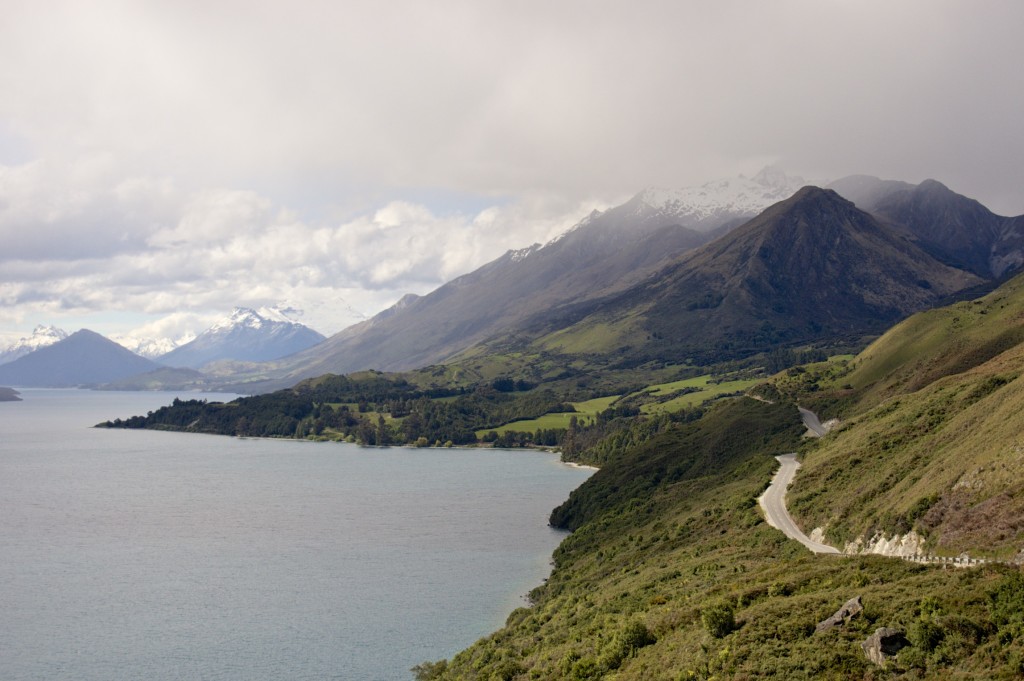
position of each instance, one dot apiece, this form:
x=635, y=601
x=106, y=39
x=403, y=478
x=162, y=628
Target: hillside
x=932, y=415
x=671, y=573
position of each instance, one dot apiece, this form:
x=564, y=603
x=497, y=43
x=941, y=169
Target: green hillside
x=671, y=573
x=931, y=439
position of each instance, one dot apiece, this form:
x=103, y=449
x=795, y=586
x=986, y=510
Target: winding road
x=812, y=422
x=773, y=502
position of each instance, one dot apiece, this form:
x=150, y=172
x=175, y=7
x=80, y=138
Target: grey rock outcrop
x=883, y=644
x=840, y=616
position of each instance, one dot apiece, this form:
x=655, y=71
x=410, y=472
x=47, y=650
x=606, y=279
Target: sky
x=164, y=161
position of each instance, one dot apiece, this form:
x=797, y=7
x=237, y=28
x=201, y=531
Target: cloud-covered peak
x=702, y=206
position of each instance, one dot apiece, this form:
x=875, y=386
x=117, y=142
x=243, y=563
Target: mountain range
x=51, y=358
x=667, y=277
x=606, y=252
x=724, y=271
x=809, y=268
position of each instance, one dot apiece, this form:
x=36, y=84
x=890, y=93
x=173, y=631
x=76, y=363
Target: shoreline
x=584, y=466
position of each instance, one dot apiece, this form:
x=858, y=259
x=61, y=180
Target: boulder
x=883, y=644
x=841, y=616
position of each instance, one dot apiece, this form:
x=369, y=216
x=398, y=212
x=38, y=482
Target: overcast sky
x=162, y=162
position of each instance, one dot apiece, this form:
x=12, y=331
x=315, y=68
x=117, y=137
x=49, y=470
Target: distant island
x=9, y=395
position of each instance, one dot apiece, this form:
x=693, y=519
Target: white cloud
x=190, y=156
x=194, y=256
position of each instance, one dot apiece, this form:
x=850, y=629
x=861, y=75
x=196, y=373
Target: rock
x=883, y=644
x=841, y=616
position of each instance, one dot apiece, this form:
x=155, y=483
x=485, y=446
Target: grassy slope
x=932, y=439
x=671, y=530
x=668, y=532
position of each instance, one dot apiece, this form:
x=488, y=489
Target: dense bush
x=718, y=619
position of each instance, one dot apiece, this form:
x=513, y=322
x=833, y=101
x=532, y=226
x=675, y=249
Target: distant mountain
x=83, y=358
x=151, y=348
x=606, y=252
x=809, y=268
x=953, y=228
x=245, y=335
x=40, y=338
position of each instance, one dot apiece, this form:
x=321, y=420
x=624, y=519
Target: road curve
x=773, y=502
x=810, y=420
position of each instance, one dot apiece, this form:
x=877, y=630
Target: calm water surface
x=148, y=555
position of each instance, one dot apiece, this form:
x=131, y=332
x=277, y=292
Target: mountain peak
x=83, y=358
x=245, y=335
x=42, y=336
x=934, y=189
x=705, y=207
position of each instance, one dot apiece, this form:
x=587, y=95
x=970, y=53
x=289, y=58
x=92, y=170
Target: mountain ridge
x=606, y=251
x=742, y=292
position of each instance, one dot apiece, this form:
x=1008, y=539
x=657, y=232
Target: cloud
x=159, y=156
x=191, y=254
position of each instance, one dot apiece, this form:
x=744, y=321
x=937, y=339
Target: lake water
x=150, y=555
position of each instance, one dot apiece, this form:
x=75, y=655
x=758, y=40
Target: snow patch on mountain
x=702, y=207
x=42, y=336
x=246, y=317
x=151, y=348
x=727, y=198
x=522, y=253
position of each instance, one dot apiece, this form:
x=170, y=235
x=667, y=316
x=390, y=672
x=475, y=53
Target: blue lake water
x=149, y=555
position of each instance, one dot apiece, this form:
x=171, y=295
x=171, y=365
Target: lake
x=153, y=555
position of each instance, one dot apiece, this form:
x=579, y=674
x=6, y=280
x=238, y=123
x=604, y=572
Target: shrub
x=632, y=638
x=1006, y=602
x=719, y=619
x=926, y=635
x=428, y=671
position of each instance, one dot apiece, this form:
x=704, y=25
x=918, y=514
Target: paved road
x=810, y=420
x=773, y=502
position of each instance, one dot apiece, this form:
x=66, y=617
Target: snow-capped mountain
x=151, y=348
x=41, y=337
x=245, y=335
x=705, y=207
